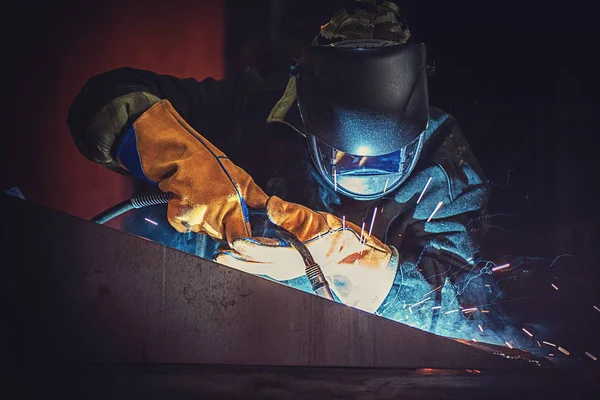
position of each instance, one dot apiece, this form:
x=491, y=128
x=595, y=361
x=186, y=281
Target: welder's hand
x=210, y=193
x=359, y=268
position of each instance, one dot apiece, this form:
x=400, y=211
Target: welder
x=343, y=151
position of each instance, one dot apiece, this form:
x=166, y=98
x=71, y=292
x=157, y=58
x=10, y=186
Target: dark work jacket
x=232, y=115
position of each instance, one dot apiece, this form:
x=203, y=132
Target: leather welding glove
x=360, y=269
x=210, y=193
x=97, y=141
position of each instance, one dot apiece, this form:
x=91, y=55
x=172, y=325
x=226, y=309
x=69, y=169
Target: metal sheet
x=88, y=293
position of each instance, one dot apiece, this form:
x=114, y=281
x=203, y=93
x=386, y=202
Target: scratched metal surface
x=80, y=292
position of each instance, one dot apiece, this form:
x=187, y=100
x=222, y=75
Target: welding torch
x=259, y=221
x=263, y=227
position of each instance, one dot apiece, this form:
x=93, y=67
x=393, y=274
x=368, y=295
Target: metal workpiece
x=77, y=291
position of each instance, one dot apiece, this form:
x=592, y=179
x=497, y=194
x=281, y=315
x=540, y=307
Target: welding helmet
x=364, y=106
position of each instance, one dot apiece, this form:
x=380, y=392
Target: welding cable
x=313, y=271
x=138, y=200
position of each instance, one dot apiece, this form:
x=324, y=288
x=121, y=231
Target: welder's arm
x=139, y=122
x=360, y=269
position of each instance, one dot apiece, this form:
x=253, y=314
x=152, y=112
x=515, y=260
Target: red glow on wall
x=73, y=42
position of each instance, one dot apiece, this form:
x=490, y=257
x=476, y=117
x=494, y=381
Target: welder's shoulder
x=444, y=136
x=446, y=145
x=441, y=127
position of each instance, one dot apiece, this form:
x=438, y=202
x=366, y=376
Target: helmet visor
x=365, y=177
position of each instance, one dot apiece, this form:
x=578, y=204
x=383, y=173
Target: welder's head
x=362, y=94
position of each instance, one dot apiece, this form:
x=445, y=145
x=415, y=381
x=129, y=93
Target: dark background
x=518, y=76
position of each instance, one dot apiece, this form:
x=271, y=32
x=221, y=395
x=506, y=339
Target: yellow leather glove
x=359, y=270
x=210, y=193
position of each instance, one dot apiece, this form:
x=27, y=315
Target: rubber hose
x=139, y=200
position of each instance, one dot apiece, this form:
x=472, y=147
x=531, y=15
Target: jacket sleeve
x=209, y=106
x=440, y=228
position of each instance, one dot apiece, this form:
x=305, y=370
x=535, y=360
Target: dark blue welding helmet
x=365, y=108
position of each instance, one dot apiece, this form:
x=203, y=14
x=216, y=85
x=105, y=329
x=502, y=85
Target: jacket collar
x=286, y=110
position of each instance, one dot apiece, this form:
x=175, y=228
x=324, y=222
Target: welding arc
x=138, y=200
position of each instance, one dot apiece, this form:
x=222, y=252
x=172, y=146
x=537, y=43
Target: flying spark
x=431, y=291
x=335, y=179
x=554, y=286
x=498, y=268
x=440, y=204
x=424, y=189
x=343, y=222
x=539, y=344
x=590, y=356
x=362, y=231
x=597, y=309
x=149, y=220
x=468, y=310
x=480, y=328
x=527, y=332
x=436, y=307
x=450, y=312
x=477, y=371
x=508, y=344
x=372, y=221
x=485, y=311
x=548, y=343
x=421, y=302
x=386, y=185
x=474, y=340
x=563, y=350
